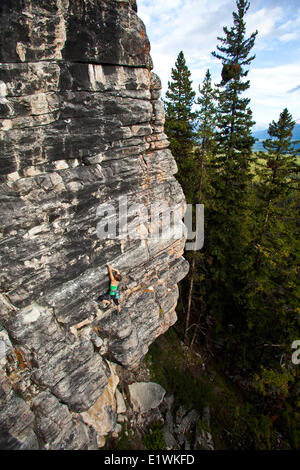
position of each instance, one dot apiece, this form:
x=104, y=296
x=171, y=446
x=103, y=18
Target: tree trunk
x=188, y=313
x=196, y=329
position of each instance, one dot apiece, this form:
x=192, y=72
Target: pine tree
x=227, y=214
x=271, y=306
x=206, y=116
x=274, y=287
x=206, y=133
x=277, y=172
x=234, y=115
x=279, y=167
x=179, y=124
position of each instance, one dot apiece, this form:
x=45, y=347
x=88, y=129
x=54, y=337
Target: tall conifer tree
x=273, y=280
x=179, y=124
x=271, y=305
x=227, y=231
x=234, y=115
x=206, y=116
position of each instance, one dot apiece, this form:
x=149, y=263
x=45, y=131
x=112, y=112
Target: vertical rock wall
x=81, y=124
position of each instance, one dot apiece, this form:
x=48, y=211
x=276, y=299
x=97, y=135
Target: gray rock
x=16, y=420
x=117, y=430
x=187, y=445
x=145, y=396
x=81, y=388
x=121, y=406
x=168, y=429
x=205, y=441
x=144, y=420
x=5, y=346
x=98, y=42
x=206, y=416
x=187, y=422
x=81, y=124
x=168, y=401
x=170, y=440
x=181, y=439
x=57, y=428
x=169, y=423
x=180, y=413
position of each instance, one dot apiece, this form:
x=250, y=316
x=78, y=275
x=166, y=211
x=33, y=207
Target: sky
x=193, y=27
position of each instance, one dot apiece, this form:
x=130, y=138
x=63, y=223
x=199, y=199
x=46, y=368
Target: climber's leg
x=105, y=299
x=117, y=303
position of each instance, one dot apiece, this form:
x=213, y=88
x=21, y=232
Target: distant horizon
x=262, y=127
x=193, y=26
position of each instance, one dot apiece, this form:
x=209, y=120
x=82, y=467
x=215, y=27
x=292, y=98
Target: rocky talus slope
x=81, y=124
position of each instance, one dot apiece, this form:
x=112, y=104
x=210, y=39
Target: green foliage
x=261, y=427
x=127, y=439
x=272, y=289
x=206, y=116
x=179, y=123
x=153, y=439
x=271, y=382
x=234, y=116
x=235, y=423
x=245, y=297
x=226, y=258
x=279, y=168
x=290, y=424
x=168, y=368
x=202, y=425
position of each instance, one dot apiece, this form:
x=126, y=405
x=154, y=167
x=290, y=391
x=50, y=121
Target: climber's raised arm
x=112, y=277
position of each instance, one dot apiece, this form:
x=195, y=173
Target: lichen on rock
x=81, y=124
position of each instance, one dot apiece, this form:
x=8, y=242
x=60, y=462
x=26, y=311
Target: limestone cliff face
x=81, y=124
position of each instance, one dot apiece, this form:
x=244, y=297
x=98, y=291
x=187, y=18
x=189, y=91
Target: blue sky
x=193, y=26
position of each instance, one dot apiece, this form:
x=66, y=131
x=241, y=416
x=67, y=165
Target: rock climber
x=113, y=293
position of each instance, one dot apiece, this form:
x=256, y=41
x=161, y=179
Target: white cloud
x=289, y=36
x=264, y=20
x=276, y=80
x=270, y=91
x=180, y=24
x=297, y=88
x=188, y=25
x=193, y=26
x=274, y=24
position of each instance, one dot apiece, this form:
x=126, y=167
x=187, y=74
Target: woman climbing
x=113, y=293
